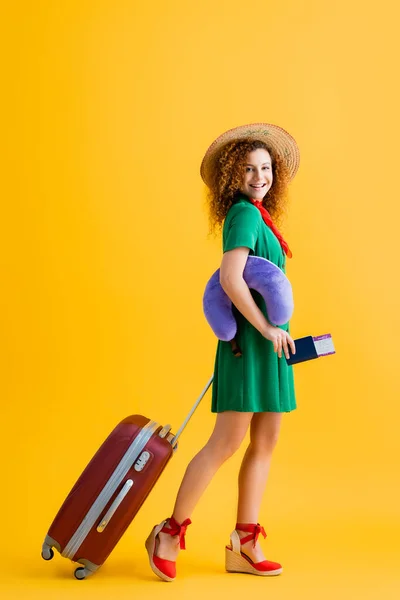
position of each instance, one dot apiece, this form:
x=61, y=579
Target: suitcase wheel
x=82, y=573
x=47, y=553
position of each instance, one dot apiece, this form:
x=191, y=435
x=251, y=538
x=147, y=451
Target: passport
x=309, y=347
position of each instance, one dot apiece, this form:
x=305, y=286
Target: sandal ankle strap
x=176, y=528
x=253, y=528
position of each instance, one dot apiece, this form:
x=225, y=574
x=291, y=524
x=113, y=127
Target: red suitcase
x=111, y=490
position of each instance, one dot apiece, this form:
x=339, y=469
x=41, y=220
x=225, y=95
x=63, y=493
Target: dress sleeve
x=241, y=228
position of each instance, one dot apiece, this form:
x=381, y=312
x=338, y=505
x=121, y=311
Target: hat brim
x=275, y=137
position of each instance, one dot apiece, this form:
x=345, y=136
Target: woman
x=247, y=170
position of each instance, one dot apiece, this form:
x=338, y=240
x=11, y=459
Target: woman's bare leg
x=254, y=471
x=229, y=431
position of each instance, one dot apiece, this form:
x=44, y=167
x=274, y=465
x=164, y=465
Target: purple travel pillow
x=260, y=275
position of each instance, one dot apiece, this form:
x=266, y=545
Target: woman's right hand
x=280, y=339
x=233, y=284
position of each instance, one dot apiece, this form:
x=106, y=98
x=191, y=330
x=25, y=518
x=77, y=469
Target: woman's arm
x=233, y=284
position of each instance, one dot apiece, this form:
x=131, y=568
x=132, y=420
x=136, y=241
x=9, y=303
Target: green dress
x=257, y=381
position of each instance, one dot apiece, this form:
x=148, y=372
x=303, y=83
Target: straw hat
x=277, y=138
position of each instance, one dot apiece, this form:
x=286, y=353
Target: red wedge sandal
x=237, y=562
x=165, y=569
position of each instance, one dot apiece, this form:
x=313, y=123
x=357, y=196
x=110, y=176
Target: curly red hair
x=227, y=177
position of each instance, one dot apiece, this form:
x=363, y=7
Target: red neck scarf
x=268, y=221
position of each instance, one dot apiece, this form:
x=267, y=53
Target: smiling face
x=257, y=177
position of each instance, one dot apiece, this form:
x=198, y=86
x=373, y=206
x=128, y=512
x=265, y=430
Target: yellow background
x=108, y=110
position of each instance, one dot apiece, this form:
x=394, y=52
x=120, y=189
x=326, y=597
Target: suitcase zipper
x=109, y=489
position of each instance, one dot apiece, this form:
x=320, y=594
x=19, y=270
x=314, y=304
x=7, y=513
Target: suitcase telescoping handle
x=186, y=421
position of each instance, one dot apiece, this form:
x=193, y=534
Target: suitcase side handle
x=186, y=421
x=107, y=517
